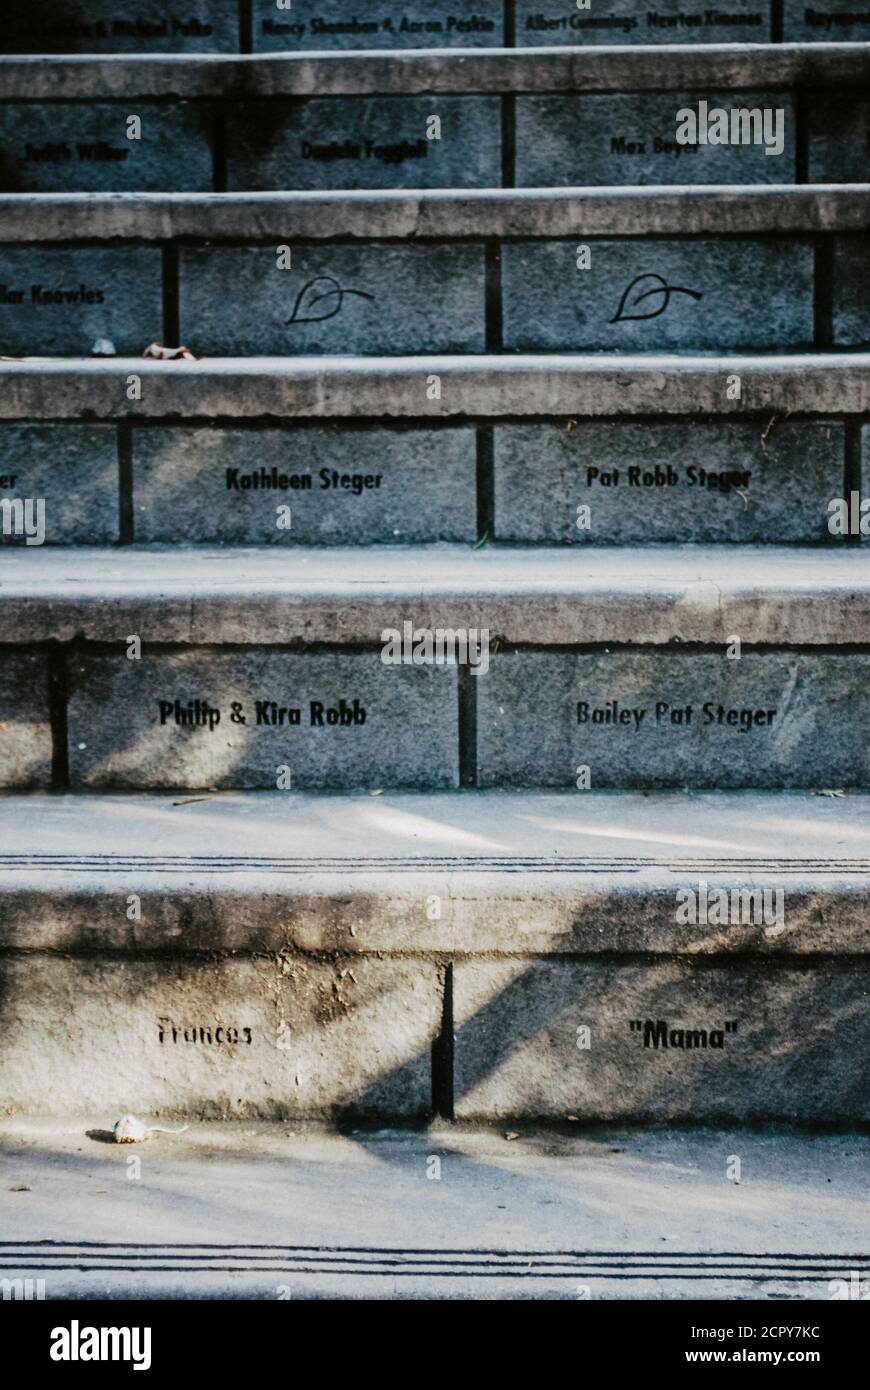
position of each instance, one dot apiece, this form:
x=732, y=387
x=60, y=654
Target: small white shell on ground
x=129, y=1130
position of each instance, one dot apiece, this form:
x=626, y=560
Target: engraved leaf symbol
x=654, y=288
x=320, y=299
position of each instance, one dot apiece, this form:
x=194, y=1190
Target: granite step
x=259, y=1212
x=693, y=958
x=579, y=451
x=431, y=667
x=618, y=270
x=230, y=26
x=439, y=119
x=402, y=388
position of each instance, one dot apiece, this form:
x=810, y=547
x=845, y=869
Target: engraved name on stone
x=651, y=480
x=39, y=295
x=266, y=713
x=396, y=152
x=389, y=26
x=327, y=480
x=711, y=714
x=86, y=152
x=125, y=28
x=653, y=21
x=659, y=1034
x=168, y=1032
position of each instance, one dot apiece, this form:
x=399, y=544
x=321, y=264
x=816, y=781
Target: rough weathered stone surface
x=839, y=138
x=781, y=1043
x=582, y=140
x=73, y=469
x=25, y=728
x=492, y=385
x=666, y=481
x=865, y=480
x=83, y=148
x=545, y=22
x=439, y=214
x=851, y=318
x=365, y=142
x=672, y=719
x=554, y=595
x=698, y=68
x=263, y=1037
x=117, y=26
x=345, y=299
x=515, y=873
x=356, y=24
x=352, y=721
x=343, y=487
x=658, y=295
x=56, y=301
x=825, y=21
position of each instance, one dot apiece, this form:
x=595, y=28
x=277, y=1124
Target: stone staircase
x=457, y=314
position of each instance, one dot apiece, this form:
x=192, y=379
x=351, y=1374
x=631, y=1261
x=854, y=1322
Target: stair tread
x=535, y=832
x=540, y=873
x=313, y=73
x=484, y=385
x=318, y=1215
x=418, y=213
x=653, y=595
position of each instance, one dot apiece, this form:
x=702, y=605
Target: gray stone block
x=646, y=718
x=116, y=26
x=666, y=481
x=335, y=299
x=550, y=596
x=614, y=139
x=825, y=21
x=57, y=301
x=491, y=385
x=71, y=148
x=354, y=24
x=282, y=1035
x=865, y=484
x=341, y=486
x=365, y=142
x=73, y=470
x=851, y=292
x=839, y=138
x=25, y=724
x=546, y=22
x=668, y=1041
x=331, y=719
x=645, y=295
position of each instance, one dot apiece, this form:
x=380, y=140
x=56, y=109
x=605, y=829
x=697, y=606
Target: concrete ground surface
x=288, y=1212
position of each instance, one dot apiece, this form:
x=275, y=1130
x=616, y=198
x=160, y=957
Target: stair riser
x=265, y=719
x=279, y=1037
x=286, y=1036
x=560, y=482
x=382, y=298
x=668, y=1041
x=674, y=719
x=460, y=911
x=378, y=142
x=219, y=26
